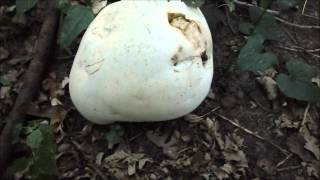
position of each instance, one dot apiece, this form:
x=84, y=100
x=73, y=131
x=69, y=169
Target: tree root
x=31, y=83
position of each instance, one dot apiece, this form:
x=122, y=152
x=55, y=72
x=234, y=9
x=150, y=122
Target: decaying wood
x=31, y=83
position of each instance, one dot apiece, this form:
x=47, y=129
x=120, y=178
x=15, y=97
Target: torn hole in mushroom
x=204, y=58
x=192, y=31
x=176, y=60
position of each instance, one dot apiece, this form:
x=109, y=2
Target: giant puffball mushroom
x=142, y=61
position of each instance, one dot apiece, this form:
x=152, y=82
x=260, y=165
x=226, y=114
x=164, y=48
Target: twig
x=32, y=82
x=304, y=117
x=65, y=57
x=296, y=25
x=304, y=6
x=284, y=160
x=211, y=111
x=251, y=5
x=300, y=49
x=202, y=116
x=285, y=152
x=290, y=168
x=98, y=171
x=278, y=18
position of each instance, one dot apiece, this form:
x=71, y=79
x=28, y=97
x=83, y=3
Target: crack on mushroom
x=93, y=67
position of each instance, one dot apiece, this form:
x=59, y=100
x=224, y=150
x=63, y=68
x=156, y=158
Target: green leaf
x=19, y=165
x=265, y=3
x=285, y=4
x=246, y=28
x=34, y=139
x=300, y=90
x=44, y=162
x=23, y=6
x=266, y=24
x=252, y=58
x=4, y=81
x=300, y=70
x=63, y=5
x=230, y=4
x=16, y=132
x=78, y=19
x=114, y=136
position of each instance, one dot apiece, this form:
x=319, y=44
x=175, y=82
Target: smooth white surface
x=123, y=70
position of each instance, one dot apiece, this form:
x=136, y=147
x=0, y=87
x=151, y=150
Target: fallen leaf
x=167, y=147
x=312, y=143
x=4, y=92
x=12, y=76
x=4, y=54
x=223, y=172
x=97, y=5
x=270, y=86
x=131, y=168
x=312, y=168
x=55, y=113
x=193, y=118
x=267, y=166
x=286, y=120
x=54, y=88
x=121, y=158
x=64, y=82
x=99, y=158
x=296, y=143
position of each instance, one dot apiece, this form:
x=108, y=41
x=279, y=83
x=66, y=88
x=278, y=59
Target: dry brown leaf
x=97, y=5
x=296, y=143
x=12, y=76
x=131, y=168
x=211, y=95
x=312, y=168
x=222, y=172
x=193, y=118
x=120, y=158
x=270, y=86
x=167, y=147
x=286, y=120
x=4, y=54
x=312, y=143
x=267, y=166
x=55, y=113
x=54, y=88
x=64, y=82
x=5, y=92
x=99, y=158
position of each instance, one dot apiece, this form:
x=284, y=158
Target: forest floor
x=236, y=133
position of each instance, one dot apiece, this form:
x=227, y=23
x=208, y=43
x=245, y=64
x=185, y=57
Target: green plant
x=40, y=163
x=77, y=18
x=253, y=57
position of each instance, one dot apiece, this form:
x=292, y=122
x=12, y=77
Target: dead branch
x=283, y=151
x=31, y=83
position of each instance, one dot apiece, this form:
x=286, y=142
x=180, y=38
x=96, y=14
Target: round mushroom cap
x=142, y=61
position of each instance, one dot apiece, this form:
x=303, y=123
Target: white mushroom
x=142, y=61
